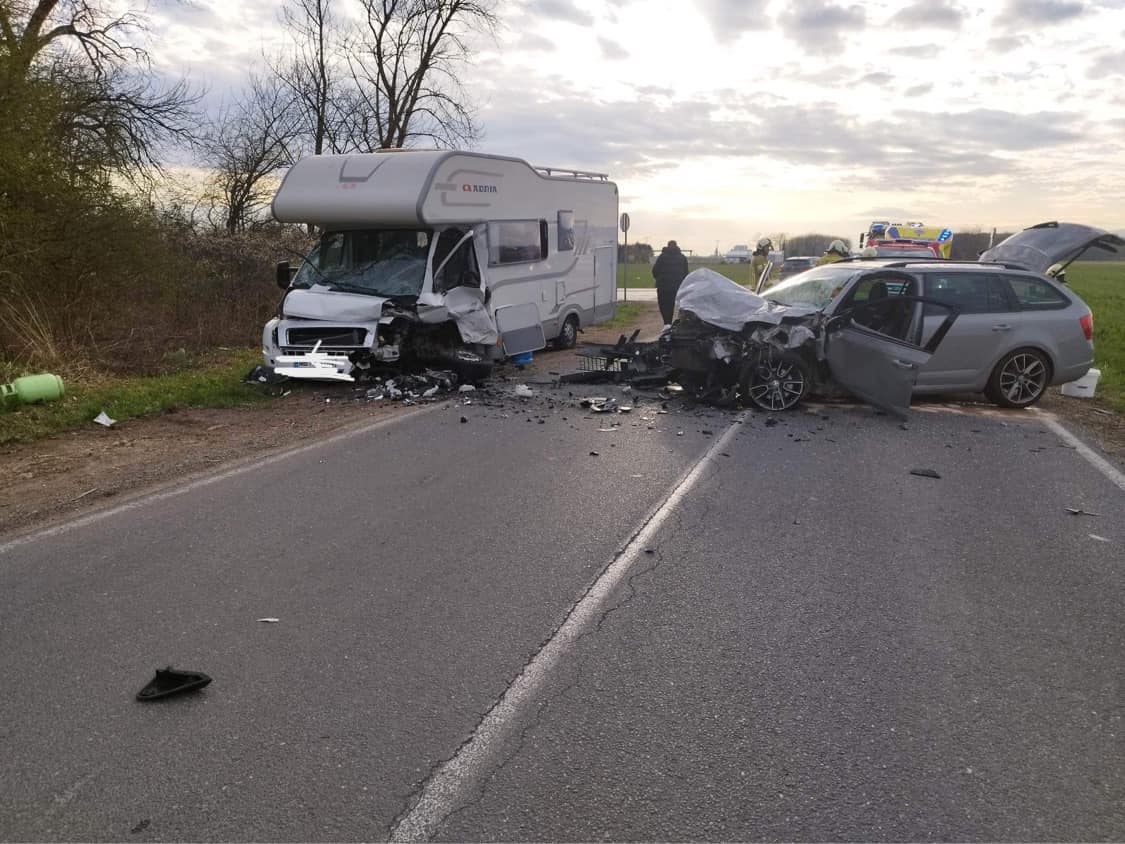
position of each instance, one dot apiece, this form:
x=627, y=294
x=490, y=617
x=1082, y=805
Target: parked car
x=792, y=266
x=1017, y=330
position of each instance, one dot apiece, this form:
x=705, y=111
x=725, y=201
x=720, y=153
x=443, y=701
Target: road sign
x=625, y=223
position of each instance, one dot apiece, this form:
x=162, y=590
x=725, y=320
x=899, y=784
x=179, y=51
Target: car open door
x=876, y=367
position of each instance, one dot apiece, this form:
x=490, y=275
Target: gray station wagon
x=1017, y=329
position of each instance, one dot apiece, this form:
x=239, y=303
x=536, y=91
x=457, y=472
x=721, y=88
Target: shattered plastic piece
x=168, y=682
x=593, y=454
x=524, y=392
x=1080, y=512
x=269, y=620
x=1098, y=538
x=105, y=420
x=925, y=473
x=430, y=393
x=466, y=388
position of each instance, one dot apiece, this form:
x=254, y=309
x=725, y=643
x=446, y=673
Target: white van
x=445, y=258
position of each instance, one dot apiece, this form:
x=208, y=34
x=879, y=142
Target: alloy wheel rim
x=1023, y=378
x=778, y=386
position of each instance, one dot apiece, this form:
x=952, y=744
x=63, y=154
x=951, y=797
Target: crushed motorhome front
x=436, y=257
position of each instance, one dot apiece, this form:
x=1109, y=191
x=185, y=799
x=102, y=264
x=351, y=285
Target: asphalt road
x=819, y=646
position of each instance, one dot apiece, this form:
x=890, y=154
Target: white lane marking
x=448, y=787
x=151, y=498
x=1092, y=457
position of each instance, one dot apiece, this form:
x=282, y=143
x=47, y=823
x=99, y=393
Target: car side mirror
x=284, y=275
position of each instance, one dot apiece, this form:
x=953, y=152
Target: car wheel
x=568, y=334
x=1020, y=378
x=777, y=382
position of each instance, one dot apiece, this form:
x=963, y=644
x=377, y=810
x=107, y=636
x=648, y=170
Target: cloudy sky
x=722, y=120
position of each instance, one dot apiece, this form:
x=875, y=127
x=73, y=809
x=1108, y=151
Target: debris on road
x=269, y=620
x=925, y=473
x=1098, y=538
x=168, y=682
x=1080, y=512
x=524, y=392
x=105, y=420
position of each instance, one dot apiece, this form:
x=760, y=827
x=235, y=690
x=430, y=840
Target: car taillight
x=1087, y=323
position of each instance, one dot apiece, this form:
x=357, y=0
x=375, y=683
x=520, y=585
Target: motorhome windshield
x=379, y=262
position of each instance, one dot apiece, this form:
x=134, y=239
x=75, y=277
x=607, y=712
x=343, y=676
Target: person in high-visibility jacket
x=837, y=251
x=758, y=261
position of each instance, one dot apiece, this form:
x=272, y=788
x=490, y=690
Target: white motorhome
x=439, y=257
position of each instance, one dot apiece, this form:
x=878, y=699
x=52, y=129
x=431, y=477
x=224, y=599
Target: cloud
x=1107, y=63
x=919, y=90
x=729, y=19
x=534, y=43
x=879, y=77
x=817, y=24
x=917, y=51
x=637, y=137
x=1020, y=14
x=1006, y=43
x=560, y=10
x=612, y=50
x=935, y=14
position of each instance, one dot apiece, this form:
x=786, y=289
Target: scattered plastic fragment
x=466, y=388
x=524, y=392
x=593, y=454
x=168, y=682
x=1080, y=512
x=105, y=420
x=269, y=620
x=1098, y=538
x=925, y=473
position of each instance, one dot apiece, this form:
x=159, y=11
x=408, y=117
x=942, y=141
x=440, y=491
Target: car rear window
x=1035, y=294
x=970, y=293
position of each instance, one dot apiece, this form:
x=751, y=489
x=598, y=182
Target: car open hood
x=321, y=303
x=1041, y=246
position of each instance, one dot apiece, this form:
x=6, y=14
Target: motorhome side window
x=516, y=241
x=566, y=231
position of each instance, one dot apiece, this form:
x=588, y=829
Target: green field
x=1101, y=284
x=640, y=275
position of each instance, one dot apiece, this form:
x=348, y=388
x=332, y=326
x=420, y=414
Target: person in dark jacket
x=668, y=271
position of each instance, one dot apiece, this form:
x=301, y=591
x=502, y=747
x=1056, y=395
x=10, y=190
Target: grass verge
x=214, y=381
x=627, y=313
x=1101, y=284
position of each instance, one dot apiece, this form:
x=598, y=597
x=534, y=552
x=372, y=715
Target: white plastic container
x=1084, y=387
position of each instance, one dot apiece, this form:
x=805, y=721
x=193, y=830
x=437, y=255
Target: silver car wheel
x=777, y=385
x=1023, y=378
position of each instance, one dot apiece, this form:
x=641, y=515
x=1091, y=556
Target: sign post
x=625, y=230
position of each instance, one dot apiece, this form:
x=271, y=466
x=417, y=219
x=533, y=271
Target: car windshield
x=378, y=262
x=816, y=287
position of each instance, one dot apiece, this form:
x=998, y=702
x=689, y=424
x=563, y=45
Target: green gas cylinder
x=33, y=388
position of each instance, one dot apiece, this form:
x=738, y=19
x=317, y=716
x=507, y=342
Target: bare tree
x=310, y=73
x=246, y=143
x=404, y=61
x=112, y=111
